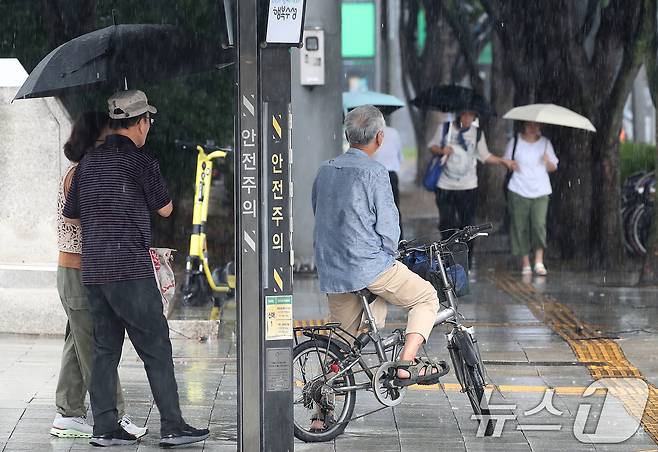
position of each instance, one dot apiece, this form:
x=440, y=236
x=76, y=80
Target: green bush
x=636, y=157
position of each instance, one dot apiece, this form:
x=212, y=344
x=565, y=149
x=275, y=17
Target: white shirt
x=459, y=171
x=390, y=152
x=531, y=180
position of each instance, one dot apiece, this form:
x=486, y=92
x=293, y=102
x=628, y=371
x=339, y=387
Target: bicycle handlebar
x=462, y=235
x=480, y=228
x=190, y=145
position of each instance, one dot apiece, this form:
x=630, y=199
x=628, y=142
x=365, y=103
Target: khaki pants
x=528, y=223
x=75, y=370
x=399, y=286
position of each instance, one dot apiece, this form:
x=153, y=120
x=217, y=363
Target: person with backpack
x=461, y=146
x=529, y=190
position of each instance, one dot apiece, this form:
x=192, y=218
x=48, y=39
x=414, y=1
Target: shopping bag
x=161, y=258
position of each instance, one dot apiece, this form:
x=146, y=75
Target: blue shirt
x=356, y=222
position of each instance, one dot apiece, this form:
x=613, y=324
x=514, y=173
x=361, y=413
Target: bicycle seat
x=370, y=297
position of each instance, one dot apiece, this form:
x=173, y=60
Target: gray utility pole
x=318, y=113
x=266, y=29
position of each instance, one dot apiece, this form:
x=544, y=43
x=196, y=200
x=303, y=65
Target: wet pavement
x=525, y=358
x=544, y=341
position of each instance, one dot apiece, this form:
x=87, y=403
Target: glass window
x=358, y=31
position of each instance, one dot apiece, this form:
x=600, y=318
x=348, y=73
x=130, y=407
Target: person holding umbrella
x=75, y=371
x=463, y=145
x=529, y=190
x=110, y=57
x=529, y=187
x=114, y=190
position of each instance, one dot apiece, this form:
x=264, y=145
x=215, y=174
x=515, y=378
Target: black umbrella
x=452, y=98
x=122, y=56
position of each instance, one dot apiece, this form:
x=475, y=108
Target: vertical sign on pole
x=266, y=31
x=275, y=91
x=247, y=231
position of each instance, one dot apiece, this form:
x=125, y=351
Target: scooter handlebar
x=192, y=146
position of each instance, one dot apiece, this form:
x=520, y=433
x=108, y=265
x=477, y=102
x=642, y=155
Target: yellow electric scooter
x=201, y=283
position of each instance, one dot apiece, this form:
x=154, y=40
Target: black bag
x=508, y=176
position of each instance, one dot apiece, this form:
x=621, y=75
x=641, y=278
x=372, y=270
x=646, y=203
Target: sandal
x=540, y=270
x=433, y=372
x=327, y=419
x=526, y=270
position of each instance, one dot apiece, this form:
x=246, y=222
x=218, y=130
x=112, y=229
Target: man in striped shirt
x=114, y=190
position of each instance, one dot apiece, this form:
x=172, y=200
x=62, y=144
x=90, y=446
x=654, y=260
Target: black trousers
x=393, y=176
x=134, y=307
x=456, y=208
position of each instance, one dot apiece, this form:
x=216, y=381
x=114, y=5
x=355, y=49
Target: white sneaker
x=71, y=427
x=540, y=270
x=131, y=428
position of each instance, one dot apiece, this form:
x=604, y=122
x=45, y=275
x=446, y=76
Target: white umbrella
x=550, y=114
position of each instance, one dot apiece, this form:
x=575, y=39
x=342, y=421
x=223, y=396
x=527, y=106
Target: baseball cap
x=128, y=104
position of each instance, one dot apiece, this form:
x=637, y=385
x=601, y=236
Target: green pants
x=75, y=370
x=528, y=223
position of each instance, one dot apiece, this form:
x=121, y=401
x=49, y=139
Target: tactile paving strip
x=588, y=346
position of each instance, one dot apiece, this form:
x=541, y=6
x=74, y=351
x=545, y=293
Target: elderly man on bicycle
x=356, y=236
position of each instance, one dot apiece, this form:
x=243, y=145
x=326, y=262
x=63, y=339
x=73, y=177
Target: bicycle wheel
x=312, y=361
x=626, y=214
x=471, y=376
x=642, y=227
x=641, y=224
x=474, y=382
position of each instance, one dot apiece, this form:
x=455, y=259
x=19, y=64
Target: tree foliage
x=197, y=107
x=447, y=51
x=582, y=55
x=585, y=56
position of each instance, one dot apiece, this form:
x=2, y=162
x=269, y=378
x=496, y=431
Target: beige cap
x=128, y=104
